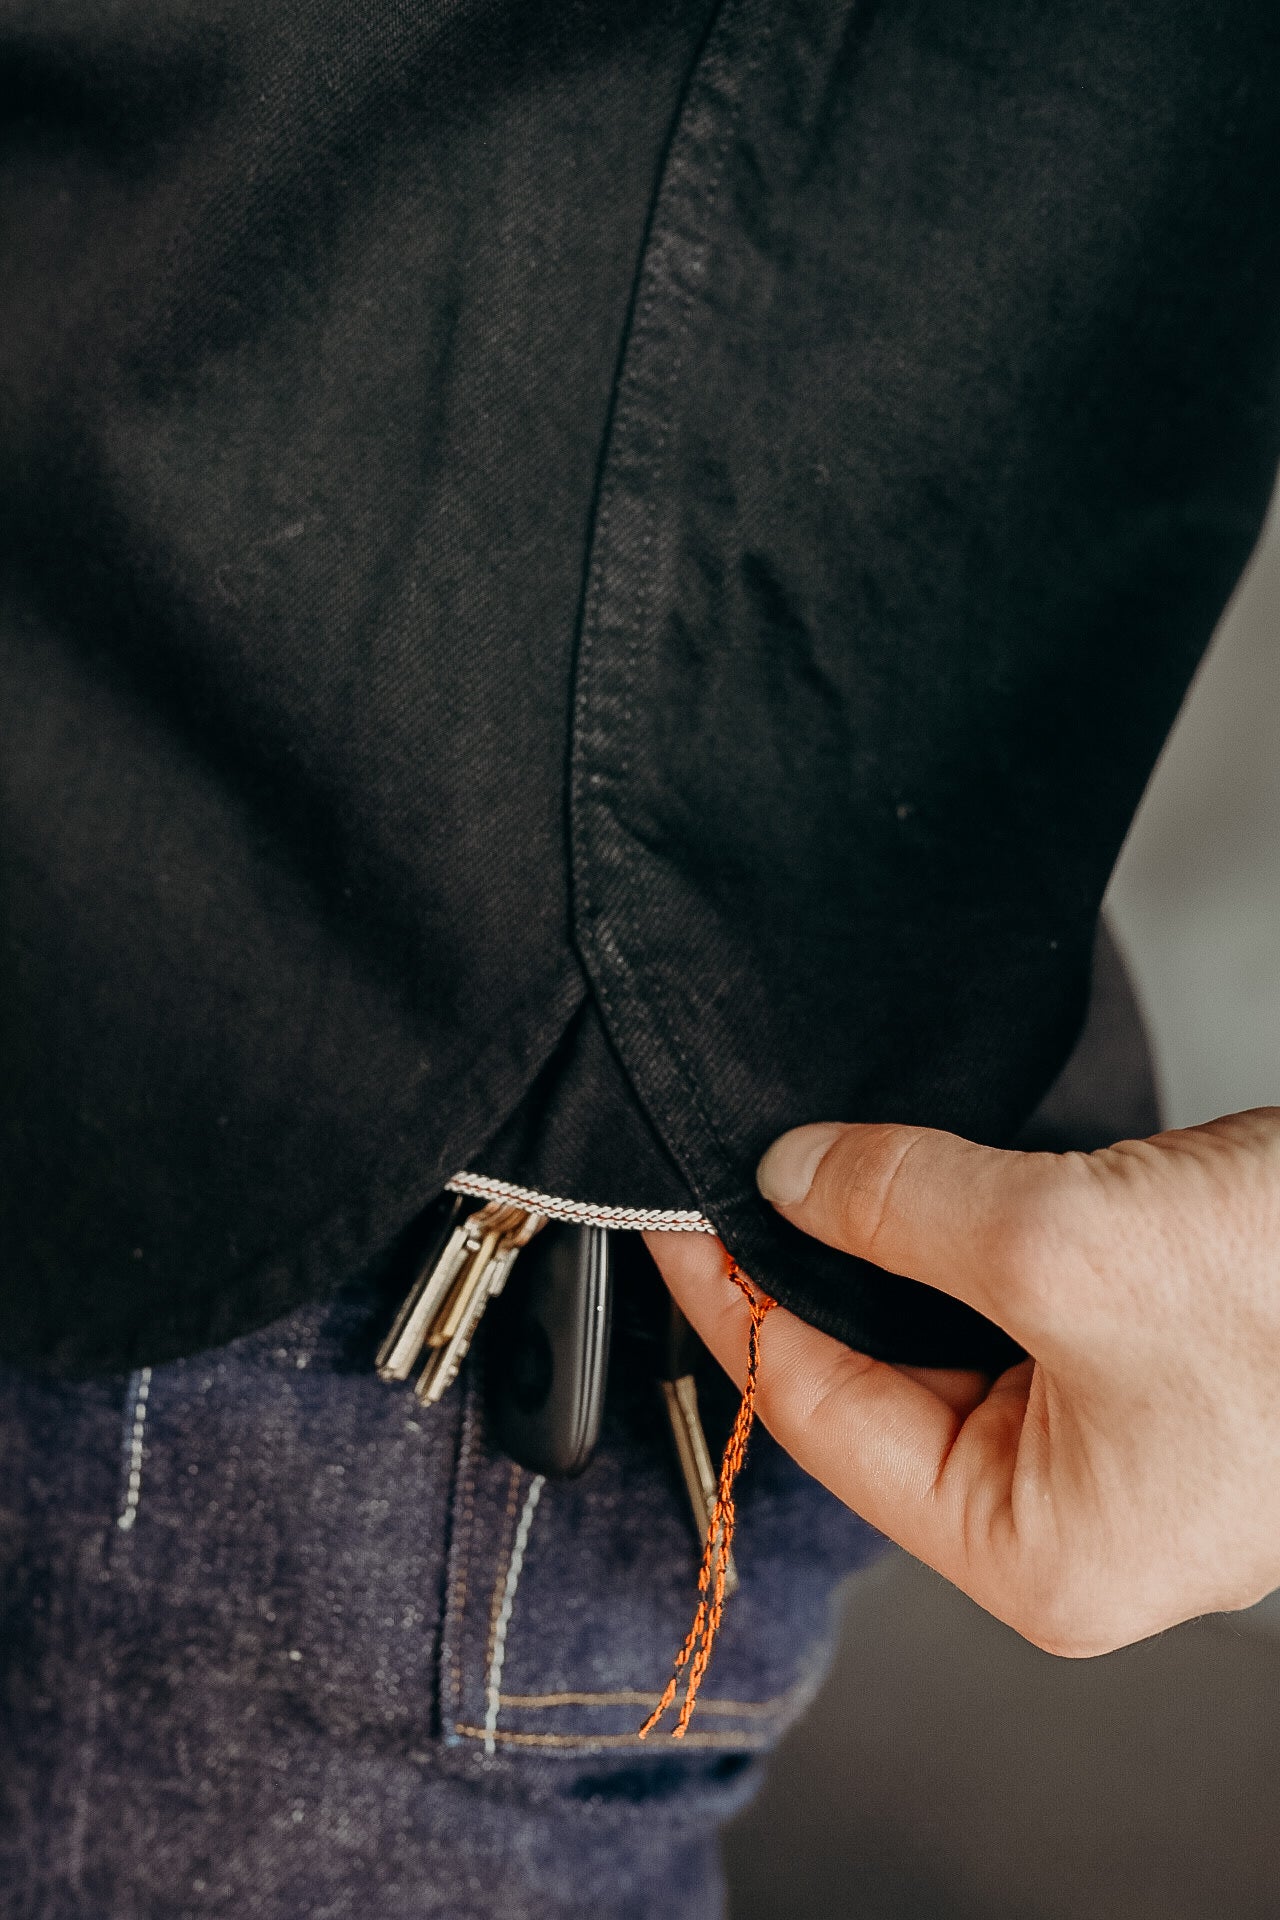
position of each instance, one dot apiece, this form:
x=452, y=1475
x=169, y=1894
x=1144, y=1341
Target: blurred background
x=948, y=1771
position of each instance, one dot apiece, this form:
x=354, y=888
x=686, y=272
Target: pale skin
x=1124, y=1478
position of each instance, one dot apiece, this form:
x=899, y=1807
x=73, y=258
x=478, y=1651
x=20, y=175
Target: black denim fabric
x=580, y=584
x=277, y=1642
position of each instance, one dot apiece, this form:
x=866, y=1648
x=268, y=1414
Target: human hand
x=1127, y=1475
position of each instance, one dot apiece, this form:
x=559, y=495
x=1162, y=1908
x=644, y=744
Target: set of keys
x=550, y=1337
x=467, y=1266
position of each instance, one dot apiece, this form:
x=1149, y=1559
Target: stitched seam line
x=466, y=1518
x=500, y=1584
x=634, y=1697
x=136, y=1420
x=636, y=402
x=585, y=1743
x=514, y=1568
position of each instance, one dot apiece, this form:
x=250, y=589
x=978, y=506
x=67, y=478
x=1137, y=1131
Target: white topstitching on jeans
x=133, y=1486
x=514, y=1567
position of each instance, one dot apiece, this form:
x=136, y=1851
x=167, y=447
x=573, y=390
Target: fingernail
x=786, y=1172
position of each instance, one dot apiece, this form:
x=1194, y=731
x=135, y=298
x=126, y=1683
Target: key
x=440, y=1267
x=487, y=1228
x=680, y=1397
x=498, y=1240
x=440, y=1276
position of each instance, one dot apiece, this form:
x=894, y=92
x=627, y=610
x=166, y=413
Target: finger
x=970, y=1220
x=882, y=1441
x=962, y=1389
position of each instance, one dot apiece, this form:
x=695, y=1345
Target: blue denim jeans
x=280, y=1645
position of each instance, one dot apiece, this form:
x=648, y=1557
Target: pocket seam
x=754, y=1724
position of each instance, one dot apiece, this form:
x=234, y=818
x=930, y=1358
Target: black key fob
x=548, y=1350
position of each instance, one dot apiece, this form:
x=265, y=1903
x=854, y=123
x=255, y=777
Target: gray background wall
x=949, y=1771
x=1196, y=896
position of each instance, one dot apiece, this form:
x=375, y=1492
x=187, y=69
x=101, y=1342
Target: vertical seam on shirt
x=634, y=406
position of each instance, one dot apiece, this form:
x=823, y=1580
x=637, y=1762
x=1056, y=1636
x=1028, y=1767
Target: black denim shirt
x=580, y=584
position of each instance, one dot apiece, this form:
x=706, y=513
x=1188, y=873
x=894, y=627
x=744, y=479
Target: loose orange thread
x=696, y=1651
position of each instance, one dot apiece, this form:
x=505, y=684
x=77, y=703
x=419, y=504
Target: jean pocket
x=566, y=1601
x=278, y=1542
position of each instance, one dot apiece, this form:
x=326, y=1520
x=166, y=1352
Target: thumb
x=915, y=1201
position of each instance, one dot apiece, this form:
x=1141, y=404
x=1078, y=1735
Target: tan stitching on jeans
x=589, y=1740
x=458, y=1598
x=634, y=1697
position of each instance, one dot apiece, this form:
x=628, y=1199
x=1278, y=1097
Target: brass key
x=488, y=1227
x=497, y=1240
x=399, y=1351
x=437, y=1301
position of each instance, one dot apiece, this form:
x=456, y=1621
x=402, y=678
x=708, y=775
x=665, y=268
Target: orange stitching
x=701, y=1638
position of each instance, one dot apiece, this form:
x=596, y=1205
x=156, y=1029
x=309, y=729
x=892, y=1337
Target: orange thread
x=701, y=1638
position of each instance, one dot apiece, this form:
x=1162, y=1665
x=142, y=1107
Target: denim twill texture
x=628, y=557
x=343, y=1658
